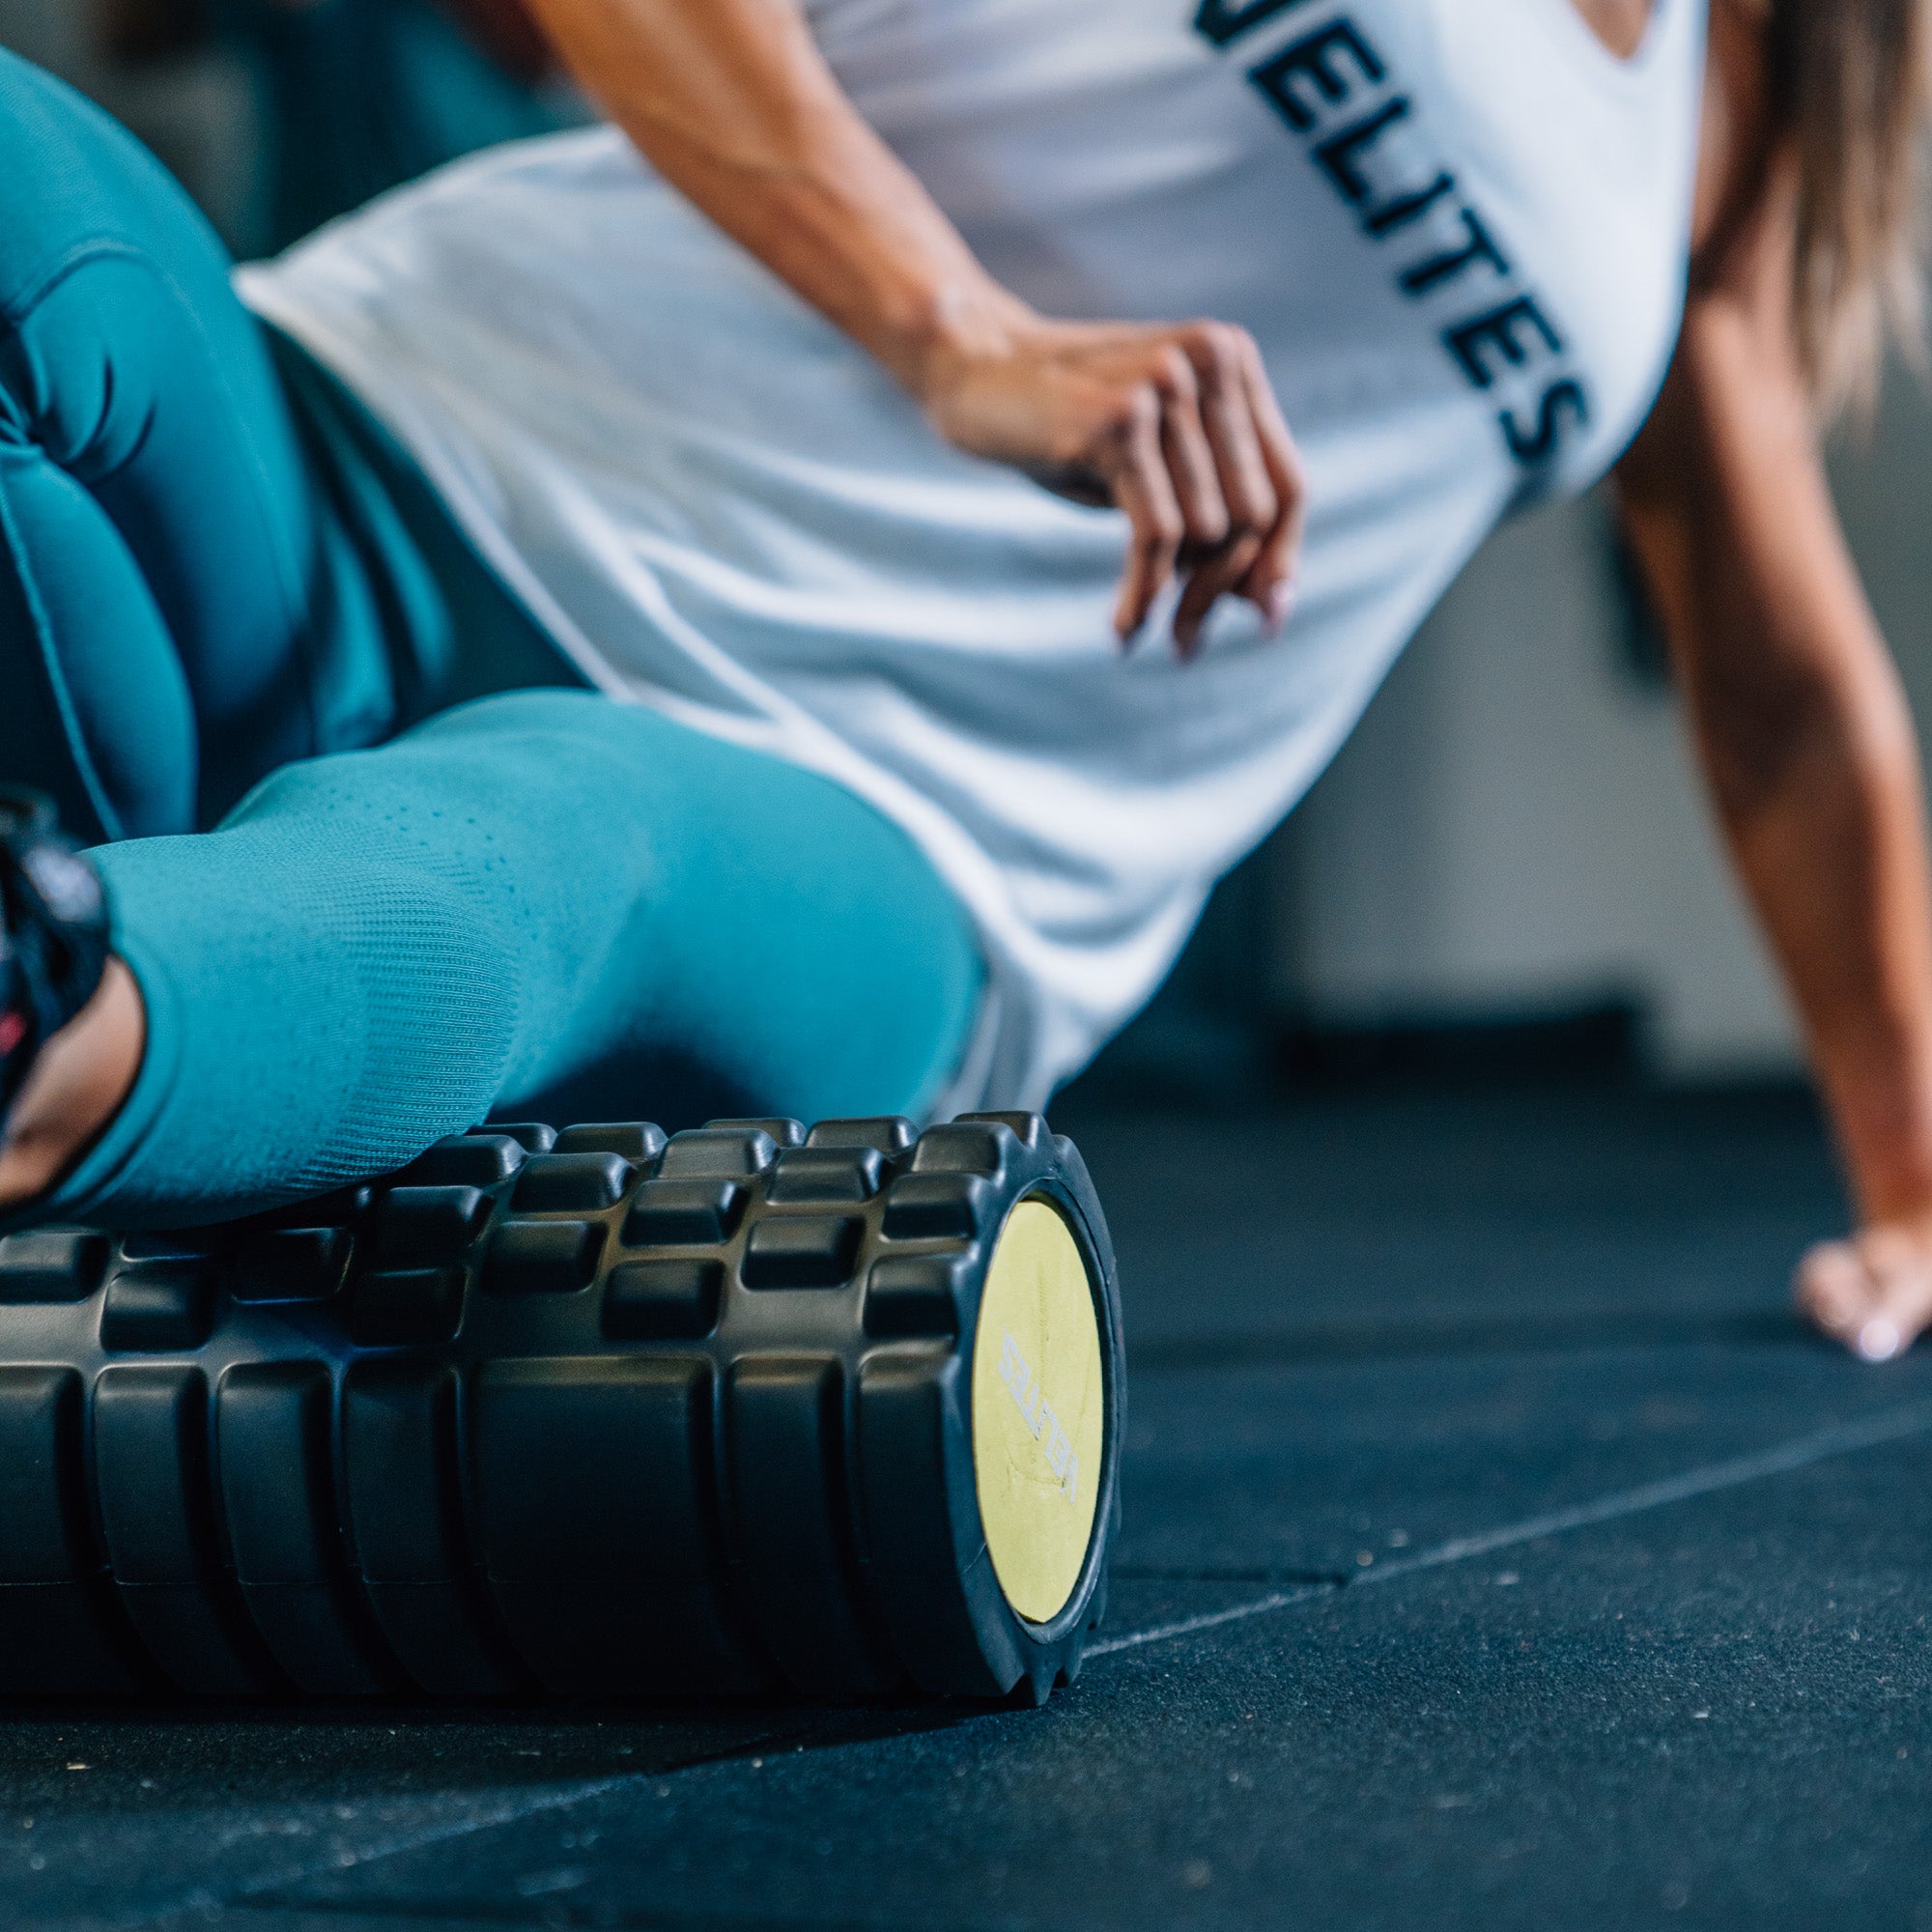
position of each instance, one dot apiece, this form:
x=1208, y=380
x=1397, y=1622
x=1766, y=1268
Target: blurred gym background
x=1508, y=875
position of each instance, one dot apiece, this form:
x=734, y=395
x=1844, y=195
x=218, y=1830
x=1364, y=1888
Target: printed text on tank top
x=1336, y=92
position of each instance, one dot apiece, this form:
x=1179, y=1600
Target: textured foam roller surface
x=591, y=1414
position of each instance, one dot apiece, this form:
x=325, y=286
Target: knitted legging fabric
x=363, y=914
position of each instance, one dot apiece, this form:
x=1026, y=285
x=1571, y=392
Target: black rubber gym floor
x=1499, y=1552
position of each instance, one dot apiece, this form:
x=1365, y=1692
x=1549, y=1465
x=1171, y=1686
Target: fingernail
x=1280, y=606
x=1878, y=1340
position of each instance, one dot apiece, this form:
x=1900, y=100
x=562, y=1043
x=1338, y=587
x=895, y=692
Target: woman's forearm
x=733, y=102
x=1835, y=860
x=1176, y=424
x=1805, y=736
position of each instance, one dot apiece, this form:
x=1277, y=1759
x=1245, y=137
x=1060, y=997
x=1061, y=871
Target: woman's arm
x=1799, y=718
x=1177, y=425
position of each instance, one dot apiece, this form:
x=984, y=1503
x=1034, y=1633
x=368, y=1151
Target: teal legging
x=242, y=645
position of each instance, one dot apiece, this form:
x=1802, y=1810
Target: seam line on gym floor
x=1507, y=1333
x=413, y=1916
x=1893, y=1425
x=1873, y=1432
x=512, y=1811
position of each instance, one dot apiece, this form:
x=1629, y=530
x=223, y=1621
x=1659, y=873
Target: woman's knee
x=102, y=414
x=162, y=518
x=76, y=179
x=97, y=714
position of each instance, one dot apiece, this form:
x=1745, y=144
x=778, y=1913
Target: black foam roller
x=591, y=1414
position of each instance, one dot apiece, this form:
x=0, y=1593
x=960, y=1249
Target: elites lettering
x=1311, y=76
x=1333, y=88
x=1222, y=23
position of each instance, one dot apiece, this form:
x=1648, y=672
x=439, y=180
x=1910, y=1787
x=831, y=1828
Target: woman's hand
x=1873, y=1292
x=733, y=102
x=1176, y=425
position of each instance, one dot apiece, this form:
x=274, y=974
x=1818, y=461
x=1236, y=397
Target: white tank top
x=1457, y=229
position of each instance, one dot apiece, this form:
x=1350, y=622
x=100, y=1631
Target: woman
x=754, y=433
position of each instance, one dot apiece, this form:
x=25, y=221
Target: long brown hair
x=1849, y=92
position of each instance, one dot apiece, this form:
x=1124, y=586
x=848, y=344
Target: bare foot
x=80, y=1080
x=1873, y=1292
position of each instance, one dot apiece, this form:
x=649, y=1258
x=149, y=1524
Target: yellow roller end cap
x=1039, y=1412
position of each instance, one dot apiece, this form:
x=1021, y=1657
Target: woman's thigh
x=177, y=614
x=542, y=904
x=708, y=929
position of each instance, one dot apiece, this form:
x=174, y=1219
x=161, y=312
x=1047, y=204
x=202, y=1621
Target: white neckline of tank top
x=1625, y=70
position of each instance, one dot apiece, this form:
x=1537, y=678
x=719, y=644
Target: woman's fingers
x=1270, y=578
x=1180, y=429
x=1192, y=471
x=1213, y=578
x=1901, y=1303
x=1873, y=1293
x=1133, y=461
x=1219, y=357
x=1833, y=1289
x=1233, y=471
